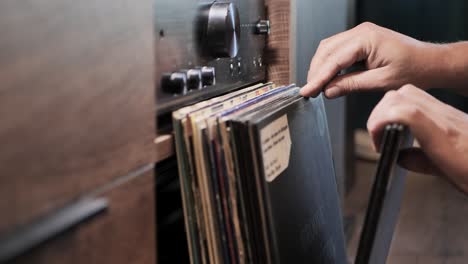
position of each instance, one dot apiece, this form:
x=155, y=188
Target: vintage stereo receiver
x=203, y=49
x=206, y=48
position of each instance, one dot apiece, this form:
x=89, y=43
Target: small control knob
x=194, y=79
x=222, y=33
x=208, y=76
x=175, y=83
x=262, y=27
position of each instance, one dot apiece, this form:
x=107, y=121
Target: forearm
x=448, y=66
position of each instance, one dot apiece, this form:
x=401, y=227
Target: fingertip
x=303, y=91
x=375, y=143
x=306, y=91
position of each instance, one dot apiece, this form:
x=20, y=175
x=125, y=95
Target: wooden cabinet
x=124, y=233
x=76, y=99
x=77, y=112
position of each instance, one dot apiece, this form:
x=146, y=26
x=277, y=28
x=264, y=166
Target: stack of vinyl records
x=257, y=179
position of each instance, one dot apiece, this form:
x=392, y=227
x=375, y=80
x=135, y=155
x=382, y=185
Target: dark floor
x=433, y=223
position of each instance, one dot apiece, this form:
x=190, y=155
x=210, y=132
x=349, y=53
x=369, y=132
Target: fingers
x=325, y=49
x=439, y=129
x=387, y=111
x=408, y=106
x=332, y=56
x=414, y=159
x=364, y=80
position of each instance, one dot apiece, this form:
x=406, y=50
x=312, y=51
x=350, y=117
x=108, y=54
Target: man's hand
x=391, y=59
x=441, y=130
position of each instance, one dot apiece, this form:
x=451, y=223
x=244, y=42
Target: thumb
x=357, y=81
x=414, y=159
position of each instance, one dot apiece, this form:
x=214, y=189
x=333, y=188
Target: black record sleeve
x=301, y=202
x=385, y=199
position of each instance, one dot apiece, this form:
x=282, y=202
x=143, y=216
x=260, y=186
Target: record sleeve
x=191, y=198
x=197, y=189
x=209, y=191
x=293, y=166
x=257, y=178
x=248, y=186
x=207, y=173
x=385, y=199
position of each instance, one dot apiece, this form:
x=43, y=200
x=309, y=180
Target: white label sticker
x=276, y=147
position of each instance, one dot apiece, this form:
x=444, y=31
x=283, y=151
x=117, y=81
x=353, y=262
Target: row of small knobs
x=187, y=80
x=221, y=27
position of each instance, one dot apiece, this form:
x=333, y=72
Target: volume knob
x=222, y=30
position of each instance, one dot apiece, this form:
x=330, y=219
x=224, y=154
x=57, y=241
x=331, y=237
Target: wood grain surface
x=125, y=233
x=278, y=41
x=165, y=146
x=76, y=100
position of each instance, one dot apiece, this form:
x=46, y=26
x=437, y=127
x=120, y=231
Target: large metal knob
x=222, y=30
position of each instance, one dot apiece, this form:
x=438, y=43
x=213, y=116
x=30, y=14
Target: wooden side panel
x=76, y=99
x=125, y=233
x=278, y=41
